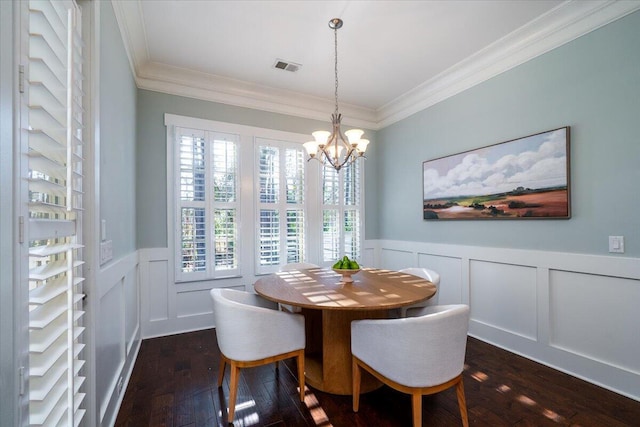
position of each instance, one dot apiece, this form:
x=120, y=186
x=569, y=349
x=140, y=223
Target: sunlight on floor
x=316, y=411
x=525, y=400
x=504, y=388
x=240, y=420
x=479, y=376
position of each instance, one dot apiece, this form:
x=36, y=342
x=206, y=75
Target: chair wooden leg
x=221, y=371
x=301, y=374
x=233, y=390
x=356, y=376
x=416, y=407
x=462, y=403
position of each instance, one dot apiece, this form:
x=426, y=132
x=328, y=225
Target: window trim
x=208, y=204
x=247, y=182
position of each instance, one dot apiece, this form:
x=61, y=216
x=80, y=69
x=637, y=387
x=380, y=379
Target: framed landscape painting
x=526, y=178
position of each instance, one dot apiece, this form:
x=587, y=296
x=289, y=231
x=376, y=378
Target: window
x=207, y=205
x=280, y=200
x=341, y=209
x=245, y=201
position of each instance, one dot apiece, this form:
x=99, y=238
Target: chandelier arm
x=329, y=159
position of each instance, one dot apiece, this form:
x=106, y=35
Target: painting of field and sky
x=525, y=178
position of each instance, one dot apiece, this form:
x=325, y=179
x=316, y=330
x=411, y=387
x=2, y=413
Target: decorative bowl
x=346, y=274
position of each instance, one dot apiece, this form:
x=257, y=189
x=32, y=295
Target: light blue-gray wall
x=152, y=151
x=591, y=84
x=117, y=137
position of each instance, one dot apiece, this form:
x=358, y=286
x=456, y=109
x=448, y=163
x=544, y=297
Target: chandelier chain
x=332, y=148
x=335, y=34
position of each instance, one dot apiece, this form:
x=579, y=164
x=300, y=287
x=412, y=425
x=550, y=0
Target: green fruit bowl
x=346, y=274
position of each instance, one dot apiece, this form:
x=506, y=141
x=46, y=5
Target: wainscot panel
x=171, y=308
x=449, y=268
x=158, y=274
x=117, y=339
x=110, y=347
x=132, y=310
x=395, y=259
x=574, y=312
x=194, y=303
x=596, y=317
x=504, y=296
x=368, y=257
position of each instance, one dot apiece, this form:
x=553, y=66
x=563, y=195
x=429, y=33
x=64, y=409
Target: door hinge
x=21, y=385
x=21, y=229
x=21, y=78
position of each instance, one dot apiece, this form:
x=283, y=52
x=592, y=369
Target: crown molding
x=129, y=18
x=551, y=30
x=560, y=25
x=208, y=87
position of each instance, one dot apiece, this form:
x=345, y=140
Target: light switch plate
x=106, y=251
x=616, y=244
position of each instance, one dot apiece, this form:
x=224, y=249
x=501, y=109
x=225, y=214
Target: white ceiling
x=394, y=57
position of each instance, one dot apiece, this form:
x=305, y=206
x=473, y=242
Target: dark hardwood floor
x=174, y=384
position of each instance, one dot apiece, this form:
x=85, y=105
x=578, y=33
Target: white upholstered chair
x=415, y=355
x=292, y=267
x=251, y=331
x=431, y=276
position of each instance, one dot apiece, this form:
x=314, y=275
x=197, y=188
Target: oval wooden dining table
x=330, y=305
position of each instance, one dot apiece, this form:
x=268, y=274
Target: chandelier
x=331, y=147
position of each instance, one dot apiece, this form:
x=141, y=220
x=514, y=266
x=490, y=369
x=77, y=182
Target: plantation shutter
x=330, y=214
x=224, y=161
x=342, y=203
x=54, y=229
x=281, y=204
x=269, y=201
x=351, y=213
x=207, y=206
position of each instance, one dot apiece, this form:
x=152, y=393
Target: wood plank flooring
x=174, y=384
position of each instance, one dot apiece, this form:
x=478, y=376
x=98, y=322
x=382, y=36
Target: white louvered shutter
x=269, y=201
x=208, y=206
x=224, y=161
x=342, y=204
x=281, y=204
x=54, y=230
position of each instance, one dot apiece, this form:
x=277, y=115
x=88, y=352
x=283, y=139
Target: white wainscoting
x=574, y=312
x=117, y=333
x=577, y=313
x=170, y=308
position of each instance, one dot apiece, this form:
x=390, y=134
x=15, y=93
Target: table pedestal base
x=328, y=362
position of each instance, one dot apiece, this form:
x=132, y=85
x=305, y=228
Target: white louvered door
x=52, y=102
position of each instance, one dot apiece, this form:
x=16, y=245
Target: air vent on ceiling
x=286, y=65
